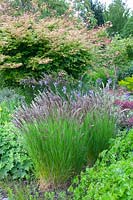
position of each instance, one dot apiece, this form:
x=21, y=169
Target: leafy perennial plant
x=111, y=177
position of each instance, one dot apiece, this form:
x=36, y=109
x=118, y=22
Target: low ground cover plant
x=29, y=191
x=14, y=161
x=112, y=182
x=111, y=177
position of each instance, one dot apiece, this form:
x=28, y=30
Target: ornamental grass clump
x=62, y=136
x=40, y=108
x=75, y=104
x=101, y=127
x=57, y=147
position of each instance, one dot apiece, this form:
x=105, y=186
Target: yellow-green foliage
x=127, y=82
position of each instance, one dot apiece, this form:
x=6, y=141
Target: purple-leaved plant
x=124, y=104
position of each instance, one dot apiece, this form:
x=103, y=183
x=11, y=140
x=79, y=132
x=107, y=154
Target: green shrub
x=10, y=95
x=14, y=161
x=30, y=47
x=111, y=177
x=113, y=60
x=125, y=73
x=128, y=83
x=121, y=54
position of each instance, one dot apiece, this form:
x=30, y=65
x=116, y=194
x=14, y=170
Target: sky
x=129, y=3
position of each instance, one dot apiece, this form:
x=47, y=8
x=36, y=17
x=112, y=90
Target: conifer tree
x=118, y=14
